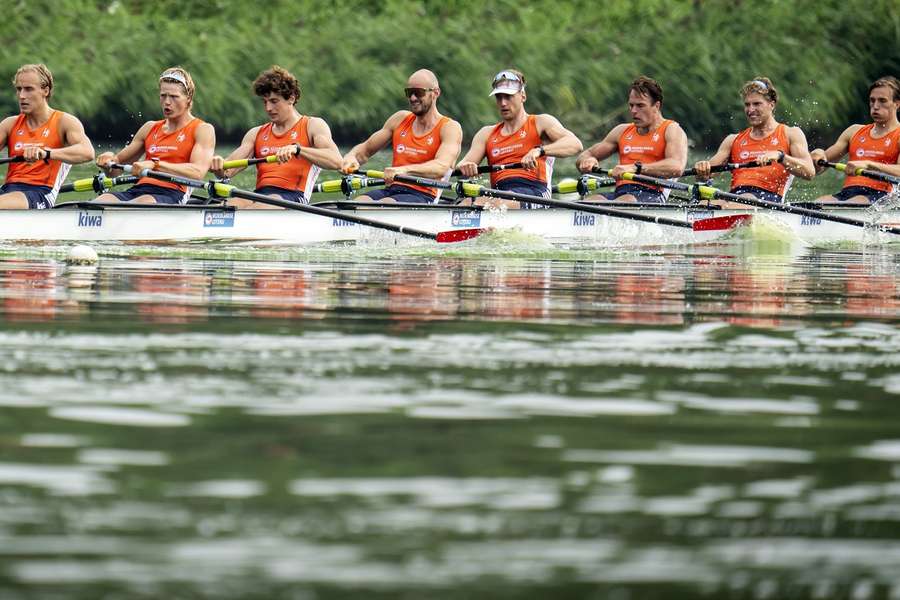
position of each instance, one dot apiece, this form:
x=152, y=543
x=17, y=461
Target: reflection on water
x=710, y=424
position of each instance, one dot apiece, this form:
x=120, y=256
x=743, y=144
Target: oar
x=246, y=162
x=473, y=190
x=224, y=190
x=707, y=192
x=98, y=184
x=346, y=184
x=455, y=173
x=582, y=185
x=692, y=172
x=11, y=159
x=864, y=172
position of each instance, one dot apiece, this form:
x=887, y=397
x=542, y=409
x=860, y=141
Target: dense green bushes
x=353, y=57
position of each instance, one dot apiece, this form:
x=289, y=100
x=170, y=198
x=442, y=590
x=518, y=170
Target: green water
x=371, y=422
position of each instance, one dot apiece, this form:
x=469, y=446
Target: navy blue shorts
x=162, y=195
x=641, y=193
x=284, y=193
x=757, y=192
x=35, y=194
x=401, y=193
x=520, y=185
x=859, y=190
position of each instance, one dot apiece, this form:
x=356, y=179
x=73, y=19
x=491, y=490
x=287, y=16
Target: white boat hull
x=299, y=228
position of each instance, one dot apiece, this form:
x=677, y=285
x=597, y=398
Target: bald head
x=423, y=78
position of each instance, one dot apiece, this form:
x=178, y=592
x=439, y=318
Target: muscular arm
x=702, y=168
x=129, y=153
x=245, y=150
x=5, y=127
x=601, y=150
x=361, y=153
x=444, y=158
x=836, y=150
x=476, y=150
x=560, y=141
x=798, y=161
x=323, y=152
x=79, y=148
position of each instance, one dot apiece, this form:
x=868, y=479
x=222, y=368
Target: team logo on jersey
x=152, y=149
x=862, y=140
x=46, y=133
x=20, y=132
x=774, y=141
x=628, y=137
x=18, y=146
x=626, y=149
x=887, y=142
x=402, y=134
x=522, y=134
x=401, y=148
x=430, y=140
x=264, y=150
x=860, y=152
x=655, y=137
x=293, y=135
x=266, y=138
x=745, y=154
x=495, y=152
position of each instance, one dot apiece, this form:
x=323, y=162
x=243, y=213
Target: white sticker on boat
x=694, y=215
x=218, y=218
x=465, y=218
x=90, y=219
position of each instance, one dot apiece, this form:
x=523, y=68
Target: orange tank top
x=774, y=177
x=174, y=147
x=647, y=148
x=410, y=149
x=883, y=150
x=51, y=173
x=507, y=149
x=297, y=174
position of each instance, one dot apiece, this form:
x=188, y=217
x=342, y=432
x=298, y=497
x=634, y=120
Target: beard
x=421, y=107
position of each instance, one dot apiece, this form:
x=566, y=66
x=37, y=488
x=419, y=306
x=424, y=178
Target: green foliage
x=353, y=57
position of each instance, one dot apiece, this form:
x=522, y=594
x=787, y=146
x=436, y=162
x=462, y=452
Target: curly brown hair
x=645, y=86
x=279, y=81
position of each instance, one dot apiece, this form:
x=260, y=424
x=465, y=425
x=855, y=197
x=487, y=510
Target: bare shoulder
x=395, y=119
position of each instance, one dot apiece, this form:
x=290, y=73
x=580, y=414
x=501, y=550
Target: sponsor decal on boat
x=807, y=220
x=699, y=214
x=335, y=222
x=580, y=219
x=218, y=218
x=465, y=218
x=90, y=219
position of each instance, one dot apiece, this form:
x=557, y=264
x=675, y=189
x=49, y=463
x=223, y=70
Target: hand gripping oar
x=707, y=192
x=97, y=184
x=455, y=173
x=864, y=172
x=346, y=185
x=582, y=185
x=692, y=172
x=474, y=190
x=246, y=162
x=224, y=190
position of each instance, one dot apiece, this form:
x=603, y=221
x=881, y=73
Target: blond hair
x=181, y=76
x=762, y=86
x=43, y=74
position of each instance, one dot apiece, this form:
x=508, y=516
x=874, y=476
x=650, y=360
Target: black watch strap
x=638, y=167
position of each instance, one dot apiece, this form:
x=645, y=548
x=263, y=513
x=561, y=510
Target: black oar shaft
x=721, y=168
x=706, y=191
x=863, y=172
x=215, y=188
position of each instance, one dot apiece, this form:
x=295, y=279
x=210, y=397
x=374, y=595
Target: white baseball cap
x=507, y=82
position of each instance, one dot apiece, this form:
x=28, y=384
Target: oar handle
x=582, y=185
x=692, y=172
x=863, y=172
x=455, y=173
x=11, y=159
x=246, y=162
x=345, y=183
x=97, y=184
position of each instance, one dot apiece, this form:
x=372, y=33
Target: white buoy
x=81, y=255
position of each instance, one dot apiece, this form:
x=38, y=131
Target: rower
x=301, y=144
x=779, y=150
x=180, y=144
x=649, y=145
x=42, y=142
x=425, y=143
x=533, y=140
x=875, y=147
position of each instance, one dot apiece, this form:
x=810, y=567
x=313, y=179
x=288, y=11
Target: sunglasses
x=417, y=92
x=507, y=76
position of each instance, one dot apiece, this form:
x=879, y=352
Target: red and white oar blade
x=458, y=235
x=721, y=223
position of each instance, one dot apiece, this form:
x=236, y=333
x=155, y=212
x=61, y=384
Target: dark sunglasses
x=418, y=92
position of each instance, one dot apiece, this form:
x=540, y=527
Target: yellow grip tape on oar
x=840, y=167
x=87, y=185
x=629, y=176
x=234, y=164
x=375, y=174
x=471, y=190
x=567, y=186
x=332, y=185
x=707, y=192
x=223, y=189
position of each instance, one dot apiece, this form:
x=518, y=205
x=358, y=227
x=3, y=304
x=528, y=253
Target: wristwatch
x=47, y=155
x=638, y=167
x=541, y=151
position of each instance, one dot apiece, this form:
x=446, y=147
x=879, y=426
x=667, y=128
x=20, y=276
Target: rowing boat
x=147, y=223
